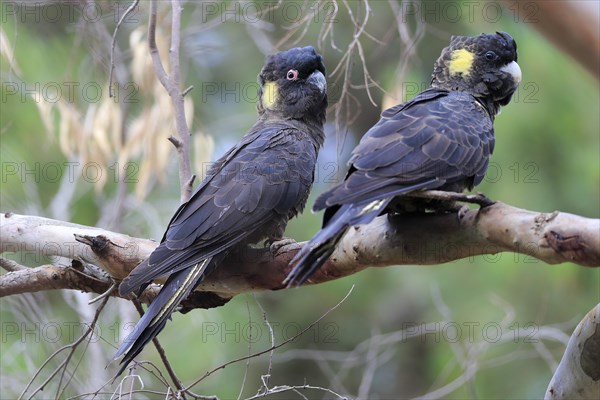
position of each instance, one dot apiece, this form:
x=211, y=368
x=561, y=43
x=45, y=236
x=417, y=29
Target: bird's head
x=293, y=85
x=485, y=66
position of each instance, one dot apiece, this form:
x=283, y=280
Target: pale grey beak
x=318, y=79
x=514, y=70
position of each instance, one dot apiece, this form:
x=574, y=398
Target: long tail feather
x=316, y=252
x=175, y=290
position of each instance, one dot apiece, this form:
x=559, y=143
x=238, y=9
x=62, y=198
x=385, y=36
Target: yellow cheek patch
x=269, y=97
x=461, y=62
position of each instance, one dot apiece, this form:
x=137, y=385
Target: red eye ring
x=292, y=75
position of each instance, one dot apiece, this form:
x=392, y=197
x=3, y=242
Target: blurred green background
x=496, y=325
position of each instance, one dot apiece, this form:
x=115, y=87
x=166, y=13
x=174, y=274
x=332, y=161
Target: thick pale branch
x=423, y=239
x=578, y=374
x=427, y=239
x=37, y=238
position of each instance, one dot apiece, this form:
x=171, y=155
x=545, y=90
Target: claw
x=483, y=201
x=462, y=212
x=283, y=245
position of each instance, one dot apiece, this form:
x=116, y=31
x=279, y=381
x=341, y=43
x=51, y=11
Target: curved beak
x=318, y=79
x=514, y=70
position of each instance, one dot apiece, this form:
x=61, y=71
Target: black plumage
x=441, y=139
x=248, y=195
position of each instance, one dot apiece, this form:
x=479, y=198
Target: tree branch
x=422, y=239
x=54, y=277
x=172, y=82
x=578, y=374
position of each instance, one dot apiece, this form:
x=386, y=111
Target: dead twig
x=172, y=82
x=65, y=363
x=128, y=11
x=275, y=347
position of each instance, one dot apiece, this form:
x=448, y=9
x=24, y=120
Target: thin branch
x=372, y=362
x=265, y=378
x=159, y=68
x=161, y=351
x=186, y=91
x=172, y=85
x=275, y=347
x=131, y=7
x=247, y=366
x=10, y=265
x=64, y=364
x=108, y=293
x=296, y=389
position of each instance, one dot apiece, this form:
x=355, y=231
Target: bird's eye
x=490, y=55
x=292, y=75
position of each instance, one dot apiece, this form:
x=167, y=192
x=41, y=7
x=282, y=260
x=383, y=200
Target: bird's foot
x=462, y=212
x=480, y=199
x=282, y=245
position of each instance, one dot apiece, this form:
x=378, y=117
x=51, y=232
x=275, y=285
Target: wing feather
x=254, y=185
x=438, y=137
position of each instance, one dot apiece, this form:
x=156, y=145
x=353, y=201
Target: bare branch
x=172, y=85
x=274, y=347
x=128, y=11
x=49, y=277
x=39, y=237
x=578, y=374
x=247, y=365
x=161, y=351
x=422, y=239
x=52, y=277
x=65, y=363
x=159, y=68
x=10, y=265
